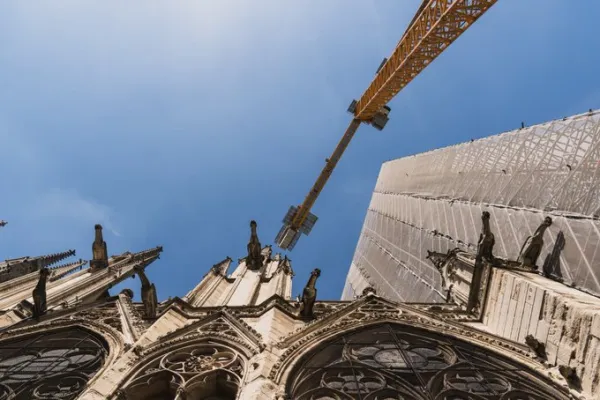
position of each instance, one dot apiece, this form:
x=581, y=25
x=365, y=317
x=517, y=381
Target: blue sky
x=175, y=123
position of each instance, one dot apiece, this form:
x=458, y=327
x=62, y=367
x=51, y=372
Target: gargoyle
x=538, y=347
x=442, y=263
x=148, y=294
x=255, y=259
x=486, y=242
x=309, y=295
x=39, y=294
x=99, y=252
x=533, y=246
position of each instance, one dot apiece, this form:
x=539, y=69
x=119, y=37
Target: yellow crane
x=434, y=27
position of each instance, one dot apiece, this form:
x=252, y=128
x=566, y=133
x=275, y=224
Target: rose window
x=54, y=365
x=395, y=362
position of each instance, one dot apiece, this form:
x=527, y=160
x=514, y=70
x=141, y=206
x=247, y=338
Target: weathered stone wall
x=565, y=320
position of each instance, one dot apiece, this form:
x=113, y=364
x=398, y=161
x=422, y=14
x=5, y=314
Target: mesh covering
x=433, y=201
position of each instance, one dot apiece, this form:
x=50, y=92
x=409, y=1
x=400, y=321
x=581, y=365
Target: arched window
x=388, y=362
x=55, y=365
x=203, y=371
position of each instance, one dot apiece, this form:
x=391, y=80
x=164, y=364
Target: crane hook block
x=288, y=234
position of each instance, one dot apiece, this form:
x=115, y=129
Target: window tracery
x=205, y=370
x=54, y=365
x=388, y=362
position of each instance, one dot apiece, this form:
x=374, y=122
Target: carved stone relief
x=105, y=314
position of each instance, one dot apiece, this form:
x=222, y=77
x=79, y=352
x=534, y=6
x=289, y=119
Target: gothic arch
x=51, y=361
x=397, y=361
x=201, y=368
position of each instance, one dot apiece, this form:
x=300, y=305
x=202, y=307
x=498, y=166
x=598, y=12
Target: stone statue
x=486, y=239
x=255, y=259
x=309, y=295
x=368, y=290
x=99, y=252
x=533, y=245
x=441, y=262
x=39, y=294
x=148, y=294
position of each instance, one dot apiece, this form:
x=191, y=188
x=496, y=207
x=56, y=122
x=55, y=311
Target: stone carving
x=309, y=295
x=532, y=247
x=322, y=309
x=286, y=265
x=39, y=294
x=368, y=290
x=136, y=315
x=570, y=375
x=442, y=262
x=99, y=251
x=486, y=242
x=255, y=258
x=105, y=314
x=538, y=347
x=221, y=267
x=485, y=246
x=148, y=294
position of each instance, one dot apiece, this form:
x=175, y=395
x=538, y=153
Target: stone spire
x=221, y=268
x=99, y=252
x=258, y=276
x=17, y=267
x=255, y=258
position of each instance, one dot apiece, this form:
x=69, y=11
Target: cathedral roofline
x=43, y=261
x=224, y=313
x=17, y=267
x=288, y=307
x=61, y=271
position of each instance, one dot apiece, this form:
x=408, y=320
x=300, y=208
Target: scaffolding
x=433, y=201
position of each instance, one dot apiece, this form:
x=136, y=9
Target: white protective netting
x=434, y=200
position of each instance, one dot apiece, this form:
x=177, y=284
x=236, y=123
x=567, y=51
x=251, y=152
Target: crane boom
x=435, y=26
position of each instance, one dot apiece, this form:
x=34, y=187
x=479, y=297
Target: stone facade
x=239, y=335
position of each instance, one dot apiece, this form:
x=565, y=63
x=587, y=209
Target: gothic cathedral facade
x=239, y=335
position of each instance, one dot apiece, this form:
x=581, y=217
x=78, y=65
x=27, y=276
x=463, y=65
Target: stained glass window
x=54, y=365
x=393, y=362
x=207, y=371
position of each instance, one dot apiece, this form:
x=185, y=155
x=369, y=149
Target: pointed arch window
x=55, y=365
x=396, y=362
x=206, y=370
